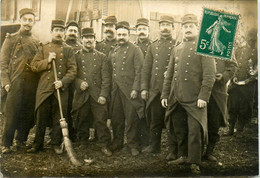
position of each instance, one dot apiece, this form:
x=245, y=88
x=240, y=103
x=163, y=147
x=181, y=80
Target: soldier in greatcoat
x=47, y=109
x=154, y=67
x=19, y=81
x=242, y=86
x=143, y=41
x=186, y=91
x=92, y=86
x=217, y=107
x=71, y=39
x=126, y=104
x=109, y=42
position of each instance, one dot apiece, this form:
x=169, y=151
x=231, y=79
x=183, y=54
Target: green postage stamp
x=217, y=34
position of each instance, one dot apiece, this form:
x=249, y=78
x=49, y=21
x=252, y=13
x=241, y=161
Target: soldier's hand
x=58, y=84
x=7, y=88
x=109, y=123
x=165, y=74
x=235, y=80
x=164, y=103
x=144, y=95
x=201, y=103
x=52, y=55
x=219, y=76
x=102, y=100
x=133, y=94
x=84, y=86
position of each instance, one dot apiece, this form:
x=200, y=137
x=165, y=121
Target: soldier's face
x=88, y=41
x=190, y=30
x=122, y=36
x=72, y=32
x=109, y=31
x=57, y=33
x=27, y=21
x=165, y=28
x=142, y=31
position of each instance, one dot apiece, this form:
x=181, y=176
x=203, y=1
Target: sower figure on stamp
x=47, y=109
x=186, y=91
x=242, y=87
x=126, y=104
x=217, y=107
x=143, y=41
x=71, y=39
x=19, y=82
x=154, y=68
x=92, y=85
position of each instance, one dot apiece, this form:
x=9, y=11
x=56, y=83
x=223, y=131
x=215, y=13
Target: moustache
x=58, y=36
x=72, y=35
x=121, y=40
x=142, y=34
x=188, y=33
x=165, y=31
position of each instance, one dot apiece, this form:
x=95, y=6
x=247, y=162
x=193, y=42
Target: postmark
x=217, y=34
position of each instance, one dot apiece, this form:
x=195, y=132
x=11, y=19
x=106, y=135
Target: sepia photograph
x=129, y=88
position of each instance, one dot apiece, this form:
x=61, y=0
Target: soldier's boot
x=155, y=145
x=209, y=153
x=19, y=146
x=230, y=131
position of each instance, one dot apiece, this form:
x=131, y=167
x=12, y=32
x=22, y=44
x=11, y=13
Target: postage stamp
x=217, y=34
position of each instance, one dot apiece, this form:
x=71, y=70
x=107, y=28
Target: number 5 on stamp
x=217, y=34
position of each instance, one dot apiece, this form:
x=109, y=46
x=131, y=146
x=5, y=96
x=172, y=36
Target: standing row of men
x=141, y=87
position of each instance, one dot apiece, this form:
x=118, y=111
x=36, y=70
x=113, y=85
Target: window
x=8, y=10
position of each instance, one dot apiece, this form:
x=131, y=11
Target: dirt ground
x=237, y=156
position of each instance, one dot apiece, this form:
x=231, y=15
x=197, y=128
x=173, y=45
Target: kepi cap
x=88, y=31
x=57, y=23
x=72, y=23
x=166, y=18
x=110, y=20
x=189, y=18
x=26, y=11
x=123, y=24
x=142, y=21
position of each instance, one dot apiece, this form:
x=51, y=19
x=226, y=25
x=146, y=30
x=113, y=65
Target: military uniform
x=217, y=107
x=93, y=69
x=143, y=45
x=155, y=64
x=189, y=77
x=76, y=46
x=105, y=46
x=47, y=110
x=16, y=54
x=126, y=63
x=241, y=96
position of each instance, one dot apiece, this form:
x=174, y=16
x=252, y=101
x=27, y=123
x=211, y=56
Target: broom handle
x=58, y=90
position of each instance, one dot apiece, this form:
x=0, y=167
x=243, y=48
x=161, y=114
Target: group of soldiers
x=141, y=87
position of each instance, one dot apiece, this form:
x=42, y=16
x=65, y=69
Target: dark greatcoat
x=126, y=61
x=66, y=71
x=106, y=46
x=155, y=64
x=219, y=91
x=93, y=68
x=143, y=45
x=189, y=77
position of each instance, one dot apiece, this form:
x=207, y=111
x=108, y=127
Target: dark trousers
x=124, y=118
x=239, y=106
x=157, y=114
x=20, y=104
x=214, y=120
x=100, y=115
x=143, y=133
x=48, y=112
x=188, y=134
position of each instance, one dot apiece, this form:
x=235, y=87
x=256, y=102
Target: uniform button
x=61, y=54
x=82, y=61
x=216, y=63
x=169, y=54
x=15, y=56
x=49, y=71
x=186, y=71
x=124, y=57
x=188, y=63
x=177, y=57
x=114, y=63
x=175, y=79
x=122, y=68
x=95, y=65
x=114, y=69
x=114, y=75
x=60, y=59
x=48, y=78
x=94, y=59
x=170, y=41
x=156, y=48
x=123, y=62
x=185, y=79
x=170, y=48
x=124, y=51
x=156, y=61
x=14, y=62
x=175, y=64
x=193, y=42
x=94, y=54
x=59, y=72
x=145, y=51
x=156, y=68
x=191, y=48
x=156, y=54
x=83, y=67
x=175, y=71
x=188, y=55
x=85, y=79
x=155, y=74
x=84, y=72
